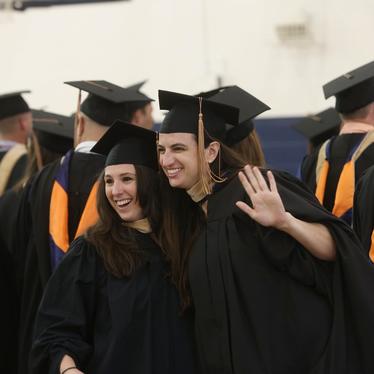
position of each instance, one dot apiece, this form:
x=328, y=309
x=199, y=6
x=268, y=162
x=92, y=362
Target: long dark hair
x=114, y=241
x=183, y=219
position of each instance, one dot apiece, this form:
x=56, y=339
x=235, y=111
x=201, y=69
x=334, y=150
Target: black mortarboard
x=319, y=127
x=249, y=107
x=12, y=104
x=134, y=89
x=108, y=102
x=184, y=111
x=208, y=94
x=352, y=90
x=124, y=143
x=54, y=131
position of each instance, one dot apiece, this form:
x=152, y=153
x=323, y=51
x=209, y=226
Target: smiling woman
x=267, y=296
x=121, y=191
x=110, y=307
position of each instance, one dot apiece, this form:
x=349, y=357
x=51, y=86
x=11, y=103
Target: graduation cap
x=248, y=105
x=319, y=127
x=108, y=102
x=54, y=131
x=124, y=143
x=352, y=90
x=135, y=89
x=12, y=104
x=210, y=93
x=184, y=113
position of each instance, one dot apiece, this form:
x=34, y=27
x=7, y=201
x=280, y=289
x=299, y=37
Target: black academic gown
x=9, y=202
x=110, y=325
x=363, y=208
x=264, y=304
x=32, y=252
x=17, y=172
x=340, y=149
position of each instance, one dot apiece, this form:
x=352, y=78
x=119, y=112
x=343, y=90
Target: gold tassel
x=37, y=152
x=208, y=178
x=78, y=109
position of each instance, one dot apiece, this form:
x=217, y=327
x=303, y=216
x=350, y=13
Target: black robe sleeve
x=283, y=251
x=17, y=172
x=64, y=323
x=352, y=275
x=363, y=209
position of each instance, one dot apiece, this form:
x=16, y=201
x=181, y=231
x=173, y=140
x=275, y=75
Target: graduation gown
x=264, y=304
x=9, y=202
x=17, y=172
x=340, y=149
x=31, y=247
x=110, y=325
x=363, y=209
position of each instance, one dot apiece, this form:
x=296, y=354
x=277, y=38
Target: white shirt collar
x=85, y=147
x=6, y=145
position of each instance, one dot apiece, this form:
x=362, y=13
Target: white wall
x=183, y=45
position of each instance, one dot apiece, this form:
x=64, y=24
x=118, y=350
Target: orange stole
x=345, y=188
x=58, y=218
x=371, y=252
x=346, y=184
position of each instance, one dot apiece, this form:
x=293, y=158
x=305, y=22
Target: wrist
x=285, y=223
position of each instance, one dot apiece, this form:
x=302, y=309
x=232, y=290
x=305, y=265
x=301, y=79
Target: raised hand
x=268, y=208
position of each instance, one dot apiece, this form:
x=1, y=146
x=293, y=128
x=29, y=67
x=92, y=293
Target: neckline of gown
x=222, y=202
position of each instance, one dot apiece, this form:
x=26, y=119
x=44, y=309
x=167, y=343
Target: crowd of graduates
x=126, y=250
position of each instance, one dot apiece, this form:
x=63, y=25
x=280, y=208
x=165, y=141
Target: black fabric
x=85, y=168
x=125, y=143
x=12, y=104
x=340, y=150
x=235, y=134
x=356, y=97
x=111, y=325
x=353, y=90
x=363, y=208
x=108, y=102
x=184, y=111
x=263, y=304
x=105, y=112
x=32, y=252
x=320, y=127
x=54, y=131
x=249, y=105
x=8, y=312
x=17, y=172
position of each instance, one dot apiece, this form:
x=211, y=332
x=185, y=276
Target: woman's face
x=179, y=159
x=121, y=191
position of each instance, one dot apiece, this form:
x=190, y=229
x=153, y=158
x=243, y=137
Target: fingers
x=255, y=178
x=245, y=208
x=260, y=179
x=272, y=183
x=247, y=186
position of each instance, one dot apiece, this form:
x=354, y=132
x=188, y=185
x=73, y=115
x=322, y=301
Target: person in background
x=333, y=170
x=242, y=138
x=52, y=137
x=363, y=211
x=15, y=128
x=319, y=128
